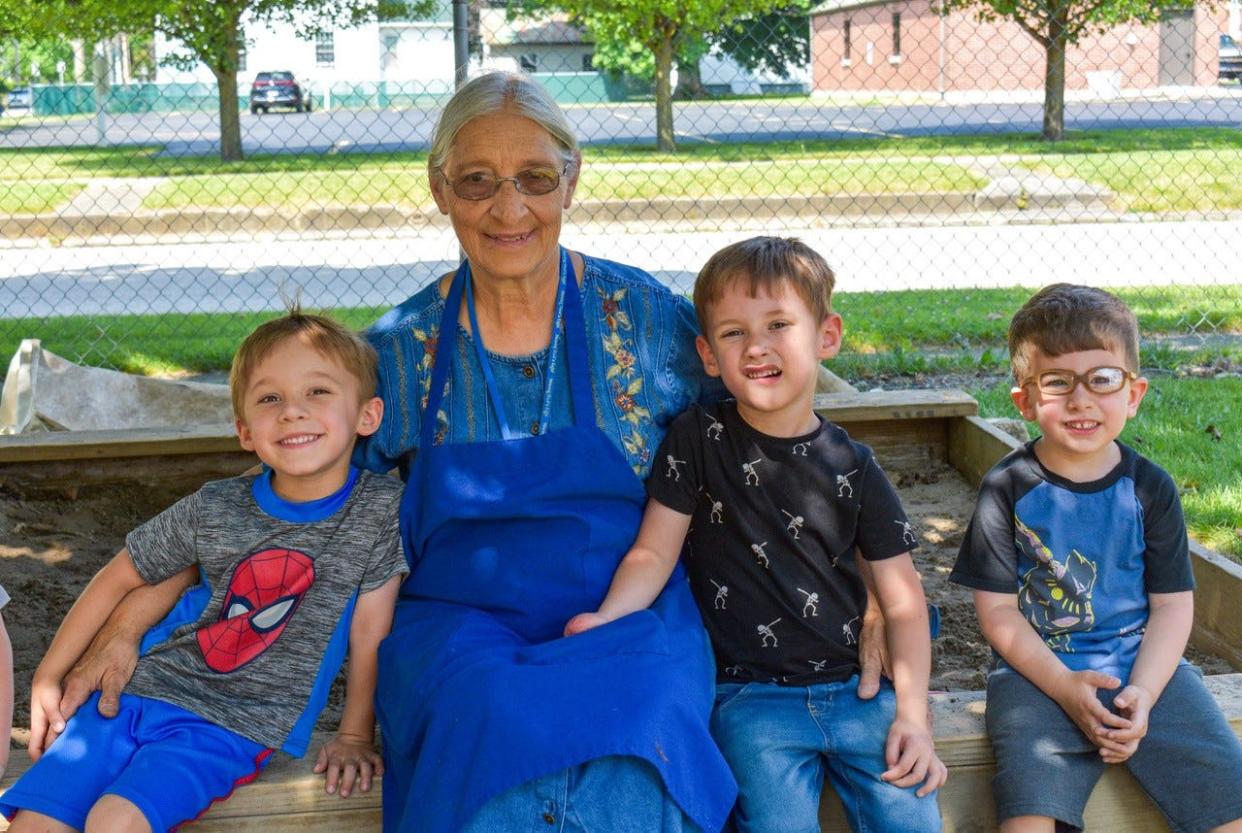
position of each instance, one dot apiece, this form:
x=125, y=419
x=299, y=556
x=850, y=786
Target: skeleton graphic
x=795, y=523
x=766, y=633
x=717, y=509
x=800, y=449
x=673, y=471
x=844, y=485
x=907, y=533
x=715, y=429
x=817, y=664
x=722, y=595
x=760, y=555
x=812, y=603
x=848, y=632
x=751, y=475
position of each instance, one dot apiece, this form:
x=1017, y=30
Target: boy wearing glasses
x=1078, y=558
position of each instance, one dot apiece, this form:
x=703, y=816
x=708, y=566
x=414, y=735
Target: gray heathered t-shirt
x=253, y=659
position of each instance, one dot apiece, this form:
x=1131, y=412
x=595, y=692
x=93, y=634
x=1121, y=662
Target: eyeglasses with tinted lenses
x=533, y=182
x=1098, y=380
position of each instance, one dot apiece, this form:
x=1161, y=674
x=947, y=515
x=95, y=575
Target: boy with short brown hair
x=1077, y=554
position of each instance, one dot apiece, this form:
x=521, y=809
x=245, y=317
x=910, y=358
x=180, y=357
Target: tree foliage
x=1057, y=24
x=210, y=31
x=660, y=28
x=774, y=42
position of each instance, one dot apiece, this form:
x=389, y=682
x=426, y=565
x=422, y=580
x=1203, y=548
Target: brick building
x=909, y=45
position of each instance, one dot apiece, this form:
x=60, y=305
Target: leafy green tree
x=660, y=28
x=209, y=30
x=1057, y=24
x=772, y=42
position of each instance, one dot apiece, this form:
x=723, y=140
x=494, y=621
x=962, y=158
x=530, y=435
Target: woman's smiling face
x=508, y=235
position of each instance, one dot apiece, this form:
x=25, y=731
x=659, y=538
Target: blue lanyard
x=545, y=410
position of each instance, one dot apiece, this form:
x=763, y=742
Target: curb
x=177, y=223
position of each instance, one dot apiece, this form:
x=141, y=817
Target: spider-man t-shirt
x=260, y=657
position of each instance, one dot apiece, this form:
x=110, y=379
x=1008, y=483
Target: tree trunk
x=1054, y=81
x=226, y=83
x=665, y=138
x=230, y=118
x=689, y=81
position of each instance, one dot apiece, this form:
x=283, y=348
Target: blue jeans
x=608, y=795
x=780, y=742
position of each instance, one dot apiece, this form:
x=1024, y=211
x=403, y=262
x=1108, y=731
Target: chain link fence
x=901, y=139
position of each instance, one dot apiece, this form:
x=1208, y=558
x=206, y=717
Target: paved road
x=375, y=130
x=235, y=276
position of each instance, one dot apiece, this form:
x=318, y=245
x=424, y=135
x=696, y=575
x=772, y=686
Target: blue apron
x=478, y=692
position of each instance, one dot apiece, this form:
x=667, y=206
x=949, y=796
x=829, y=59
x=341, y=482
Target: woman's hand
x=911, y=758
x=347, y=759
x=106, y=667
x=584, y=622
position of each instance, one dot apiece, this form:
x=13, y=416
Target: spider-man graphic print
x=264, y=591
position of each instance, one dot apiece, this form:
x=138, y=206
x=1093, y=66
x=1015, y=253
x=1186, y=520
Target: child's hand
x=1077, y=696
x=1134, y=703
x=911, y=758
x=46, y=722
x=584, y=622
x=346, y=759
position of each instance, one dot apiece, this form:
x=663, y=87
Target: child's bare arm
x=6, y=694
x=1012, y=636
x=645, y=569
x=350, y=756
x=87, y=615
x=1169, y=621
x=910, y=751
x=109, y=661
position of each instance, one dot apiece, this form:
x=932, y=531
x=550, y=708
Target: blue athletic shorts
x=168, y=762
x=1190, y=762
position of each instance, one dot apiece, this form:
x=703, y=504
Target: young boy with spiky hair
x=299, y=562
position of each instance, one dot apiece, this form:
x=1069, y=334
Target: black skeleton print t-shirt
x=771, y=549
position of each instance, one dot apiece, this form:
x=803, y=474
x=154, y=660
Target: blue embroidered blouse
x=644, y=368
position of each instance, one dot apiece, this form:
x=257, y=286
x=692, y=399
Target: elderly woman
x=525, y=395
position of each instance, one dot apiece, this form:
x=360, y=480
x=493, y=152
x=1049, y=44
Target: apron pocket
x=641, y=632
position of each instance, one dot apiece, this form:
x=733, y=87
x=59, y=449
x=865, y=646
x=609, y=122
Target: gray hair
x=492, y=93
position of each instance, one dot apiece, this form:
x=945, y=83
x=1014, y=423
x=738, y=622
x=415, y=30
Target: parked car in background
x=20, y=98
x=278, y=89
x=1230, y=58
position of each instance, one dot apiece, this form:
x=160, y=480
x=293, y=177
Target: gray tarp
x=43, y=392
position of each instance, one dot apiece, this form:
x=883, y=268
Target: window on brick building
x=897, y=34
x=848, y=31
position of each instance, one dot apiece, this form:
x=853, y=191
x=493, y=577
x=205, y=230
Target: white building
x=408, y=53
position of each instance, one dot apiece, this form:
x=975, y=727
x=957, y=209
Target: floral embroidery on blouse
x=623, y=376
x=429, y=340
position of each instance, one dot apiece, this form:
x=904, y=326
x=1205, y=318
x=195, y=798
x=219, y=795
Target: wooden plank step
x=289, y=798
x=880, y=405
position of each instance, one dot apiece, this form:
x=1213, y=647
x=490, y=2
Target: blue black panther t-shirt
x=1082, y=557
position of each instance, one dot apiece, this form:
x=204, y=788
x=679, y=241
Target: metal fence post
x=461, y=42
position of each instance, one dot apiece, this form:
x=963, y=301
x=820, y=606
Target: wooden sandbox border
x=908, y=429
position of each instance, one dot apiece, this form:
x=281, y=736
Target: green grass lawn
x=1170, y=169
x=36, y=197
x=1191, y=427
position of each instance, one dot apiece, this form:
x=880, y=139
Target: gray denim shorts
x=1190, y=762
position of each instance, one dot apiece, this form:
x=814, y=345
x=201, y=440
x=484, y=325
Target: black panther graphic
x=1055, y=597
